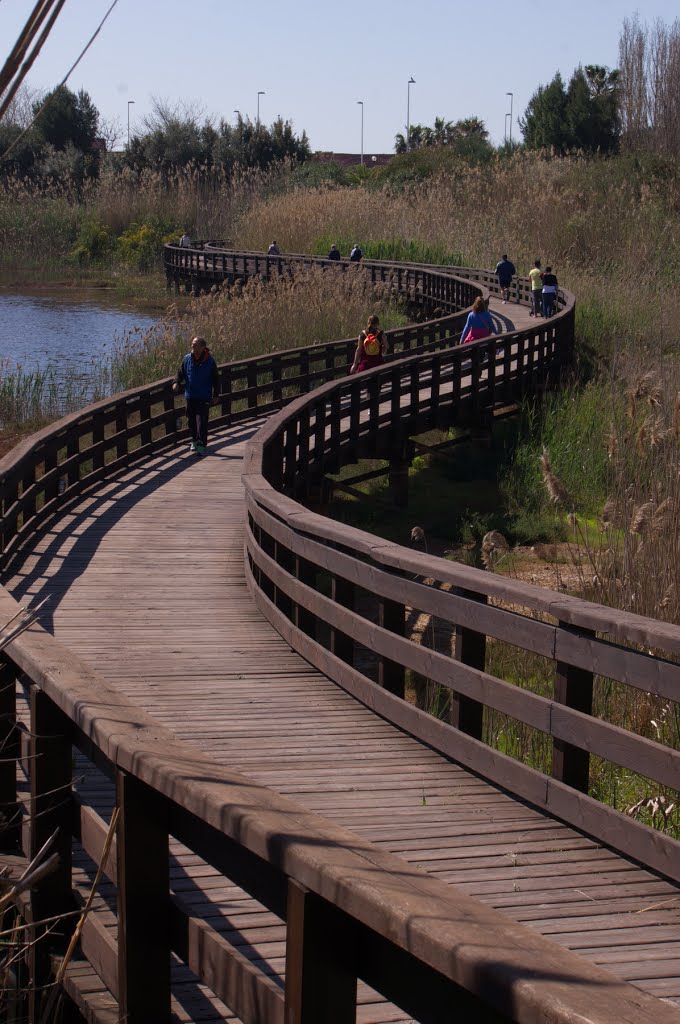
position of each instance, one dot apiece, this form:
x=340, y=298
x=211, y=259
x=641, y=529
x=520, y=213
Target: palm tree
x=471, y=128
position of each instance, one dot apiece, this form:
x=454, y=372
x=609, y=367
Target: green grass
x=402, y=250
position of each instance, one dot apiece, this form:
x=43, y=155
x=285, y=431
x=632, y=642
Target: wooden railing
x=351, y=911
x=305, y=572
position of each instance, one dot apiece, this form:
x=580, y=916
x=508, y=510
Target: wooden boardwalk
x=147, y=584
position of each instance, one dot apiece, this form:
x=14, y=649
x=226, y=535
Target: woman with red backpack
x=371, y=347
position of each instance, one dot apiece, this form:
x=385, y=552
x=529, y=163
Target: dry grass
x=308, y=307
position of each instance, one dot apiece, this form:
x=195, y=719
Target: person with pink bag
x=479, y=323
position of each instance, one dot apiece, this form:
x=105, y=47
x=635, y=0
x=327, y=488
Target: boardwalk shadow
x=71, y=537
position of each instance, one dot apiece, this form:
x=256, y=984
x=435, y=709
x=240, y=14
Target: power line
x=63, y=81
x=28, y=34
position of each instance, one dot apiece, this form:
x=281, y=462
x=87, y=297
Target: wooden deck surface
x=146, y=580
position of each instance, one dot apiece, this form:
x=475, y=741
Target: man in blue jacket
x=198, y=373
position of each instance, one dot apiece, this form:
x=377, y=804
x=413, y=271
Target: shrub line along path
x=147, y=584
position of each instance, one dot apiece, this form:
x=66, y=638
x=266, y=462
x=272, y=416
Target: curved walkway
x=147, y=583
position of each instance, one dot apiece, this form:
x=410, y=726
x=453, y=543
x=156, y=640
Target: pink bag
x=475, y=333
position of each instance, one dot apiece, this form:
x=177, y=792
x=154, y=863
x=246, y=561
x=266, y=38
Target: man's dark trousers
x=197, y=414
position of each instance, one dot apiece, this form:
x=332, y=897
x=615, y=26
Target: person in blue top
x=479, y=323
x=198, y=373
x=334, y=253
x=505, y=271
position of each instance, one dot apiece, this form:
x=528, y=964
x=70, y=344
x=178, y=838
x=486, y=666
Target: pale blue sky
x=315, y=58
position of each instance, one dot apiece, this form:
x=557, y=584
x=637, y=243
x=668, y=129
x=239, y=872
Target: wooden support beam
x=143, y=904
x=10, y=819
x=320, y=983
x=51, y=812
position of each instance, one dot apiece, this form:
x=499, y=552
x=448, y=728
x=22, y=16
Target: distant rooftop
x=351, y=159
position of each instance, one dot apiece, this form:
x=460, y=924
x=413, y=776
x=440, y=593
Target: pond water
x=55, y=350
x=64, y=333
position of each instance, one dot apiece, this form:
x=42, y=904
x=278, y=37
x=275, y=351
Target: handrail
x=350, y=909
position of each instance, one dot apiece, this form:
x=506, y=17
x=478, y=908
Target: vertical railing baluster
x=391, y=674
x=342, y=645
x=467, y=714
x=574, y=689
x=305, y=572
x=251, y=377
x=121, y=429
x=225, y=391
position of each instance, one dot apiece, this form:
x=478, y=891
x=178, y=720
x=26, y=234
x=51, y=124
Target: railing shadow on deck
x=350, y=910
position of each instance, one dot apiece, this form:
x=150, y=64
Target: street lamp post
x=361, y=104
x=506, y=129
x=260, y=93
x=411, y=82
x=130, y=103
x=510, y=135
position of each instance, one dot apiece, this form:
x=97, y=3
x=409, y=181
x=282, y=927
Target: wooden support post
x=391, y=615
x=10, y=819
x=143, y=904
x=51, y=811
x=272, y=461
x=342, y=592
x=305, y=620
x=467, y=714
x=320, y=983
x=574, y=689
x=398, y=478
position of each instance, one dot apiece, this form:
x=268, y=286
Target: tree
x=445, y=133
x=20, y=110
x=180, y=136
x=584, y=116
x=417, y=134
x=470, y=128
x=604, y=85
x=580, y=127
x=649, y=86
x=543, y=124
x=68, y=119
